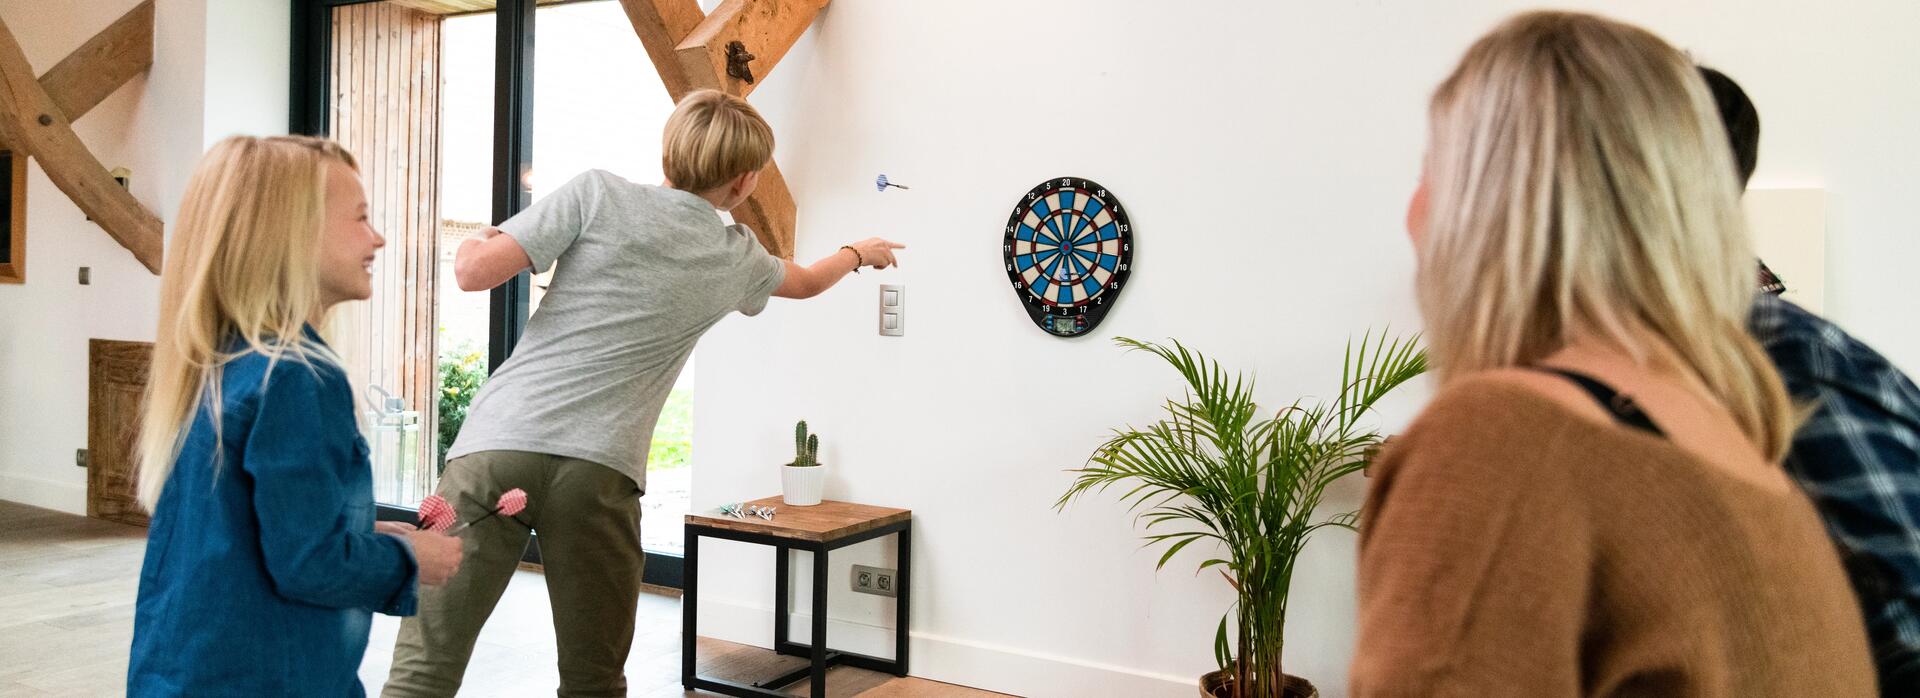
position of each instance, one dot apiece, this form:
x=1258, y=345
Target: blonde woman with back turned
x=1593, y=504
x=264, y=564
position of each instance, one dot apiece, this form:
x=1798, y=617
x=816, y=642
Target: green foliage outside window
x=464, y=368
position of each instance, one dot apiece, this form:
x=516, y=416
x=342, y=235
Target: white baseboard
x=47, y=494
x=989, y=667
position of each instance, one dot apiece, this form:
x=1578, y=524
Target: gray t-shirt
x=643, y=272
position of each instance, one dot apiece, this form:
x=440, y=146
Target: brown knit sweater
x=1511, y=547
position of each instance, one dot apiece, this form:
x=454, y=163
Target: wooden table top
x=825, y=522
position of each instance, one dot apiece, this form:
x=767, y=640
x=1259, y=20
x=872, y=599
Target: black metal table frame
x=821, y=657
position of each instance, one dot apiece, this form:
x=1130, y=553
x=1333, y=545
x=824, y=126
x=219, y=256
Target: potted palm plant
x=802, y=480
x=1222, y=471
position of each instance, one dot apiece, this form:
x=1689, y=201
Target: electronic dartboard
x=1068, y=252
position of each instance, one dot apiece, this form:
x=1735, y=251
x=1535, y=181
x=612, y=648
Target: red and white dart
x=512, y=502
x=435, y=514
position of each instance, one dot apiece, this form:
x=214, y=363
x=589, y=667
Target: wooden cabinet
x=116, y=382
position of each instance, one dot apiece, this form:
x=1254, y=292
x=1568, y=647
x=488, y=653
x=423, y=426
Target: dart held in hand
x=512, y=502
x=436, y=514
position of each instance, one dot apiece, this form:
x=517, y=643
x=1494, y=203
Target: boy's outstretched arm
x=812, y=280
x=489, y=259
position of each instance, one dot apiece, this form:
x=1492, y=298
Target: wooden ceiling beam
x=33, y=122
x=682, y=43
x=770, y=212
x=764, y=28
x=661, y=25
x=87, y=76
x=445, y=8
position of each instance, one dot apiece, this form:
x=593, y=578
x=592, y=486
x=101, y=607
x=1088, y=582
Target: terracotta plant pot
x=1217, y=685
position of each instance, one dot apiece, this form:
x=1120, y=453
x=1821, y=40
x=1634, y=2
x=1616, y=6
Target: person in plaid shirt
x=1858, y=455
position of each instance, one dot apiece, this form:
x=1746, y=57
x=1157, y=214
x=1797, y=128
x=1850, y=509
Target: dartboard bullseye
x=1069, y=251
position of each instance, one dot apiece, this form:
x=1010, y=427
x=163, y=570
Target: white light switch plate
x=893, y=310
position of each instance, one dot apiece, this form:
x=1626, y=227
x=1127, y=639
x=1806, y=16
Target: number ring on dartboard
x=1068, y=252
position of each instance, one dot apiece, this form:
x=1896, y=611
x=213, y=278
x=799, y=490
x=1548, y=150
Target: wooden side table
x=818, y=529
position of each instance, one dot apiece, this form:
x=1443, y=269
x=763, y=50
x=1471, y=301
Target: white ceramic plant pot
x=800, y=487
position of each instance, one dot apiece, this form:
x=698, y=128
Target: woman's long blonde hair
x=240, y=268
x=1580, y=186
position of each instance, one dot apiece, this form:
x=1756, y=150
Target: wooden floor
x=67, y=587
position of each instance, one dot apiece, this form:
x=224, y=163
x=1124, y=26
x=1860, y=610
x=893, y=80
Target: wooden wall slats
x=386, y=110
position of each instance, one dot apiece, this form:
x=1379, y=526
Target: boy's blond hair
x=712, y=138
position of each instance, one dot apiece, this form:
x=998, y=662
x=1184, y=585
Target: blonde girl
x=263, y=563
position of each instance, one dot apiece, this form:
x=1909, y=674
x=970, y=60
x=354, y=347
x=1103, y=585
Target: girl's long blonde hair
x=240, y=268
x=1580, y=186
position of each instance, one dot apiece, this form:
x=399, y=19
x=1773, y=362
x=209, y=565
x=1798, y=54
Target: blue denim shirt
x=262, y=570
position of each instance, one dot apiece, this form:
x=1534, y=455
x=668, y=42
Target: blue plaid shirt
x=1858, y=457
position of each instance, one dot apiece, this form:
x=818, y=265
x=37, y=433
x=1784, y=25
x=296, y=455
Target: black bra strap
x=1624, y=409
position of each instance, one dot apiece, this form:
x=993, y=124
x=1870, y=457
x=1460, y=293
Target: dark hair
x=1740, y=118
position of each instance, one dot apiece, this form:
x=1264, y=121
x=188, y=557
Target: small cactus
x=800, y=443
x=806, y=447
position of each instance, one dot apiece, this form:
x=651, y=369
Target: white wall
x=1264, y=151
x=157, y=125
x=247, y=67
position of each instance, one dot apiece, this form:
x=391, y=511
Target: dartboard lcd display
x=1068, y=250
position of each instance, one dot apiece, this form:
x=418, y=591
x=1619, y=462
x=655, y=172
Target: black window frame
x=311, y=36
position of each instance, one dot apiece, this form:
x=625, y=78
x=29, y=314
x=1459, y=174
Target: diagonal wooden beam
x=765, y=28
x=30, y=121
x=92, y=72
x=770, y=213
x=681, y=41
x=661, y=25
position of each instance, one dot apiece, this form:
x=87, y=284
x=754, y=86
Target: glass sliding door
x=385, y=106
x=466, y=206
x=598, y=104
x=411, y=92
x=437, y=98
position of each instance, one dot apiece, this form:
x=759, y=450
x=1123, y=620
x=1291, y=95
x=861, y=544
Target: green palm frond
x=1214, y=469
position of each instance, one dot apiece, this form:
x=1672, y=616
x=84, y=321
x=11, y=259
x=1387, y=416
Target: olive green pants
x=588, y=516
